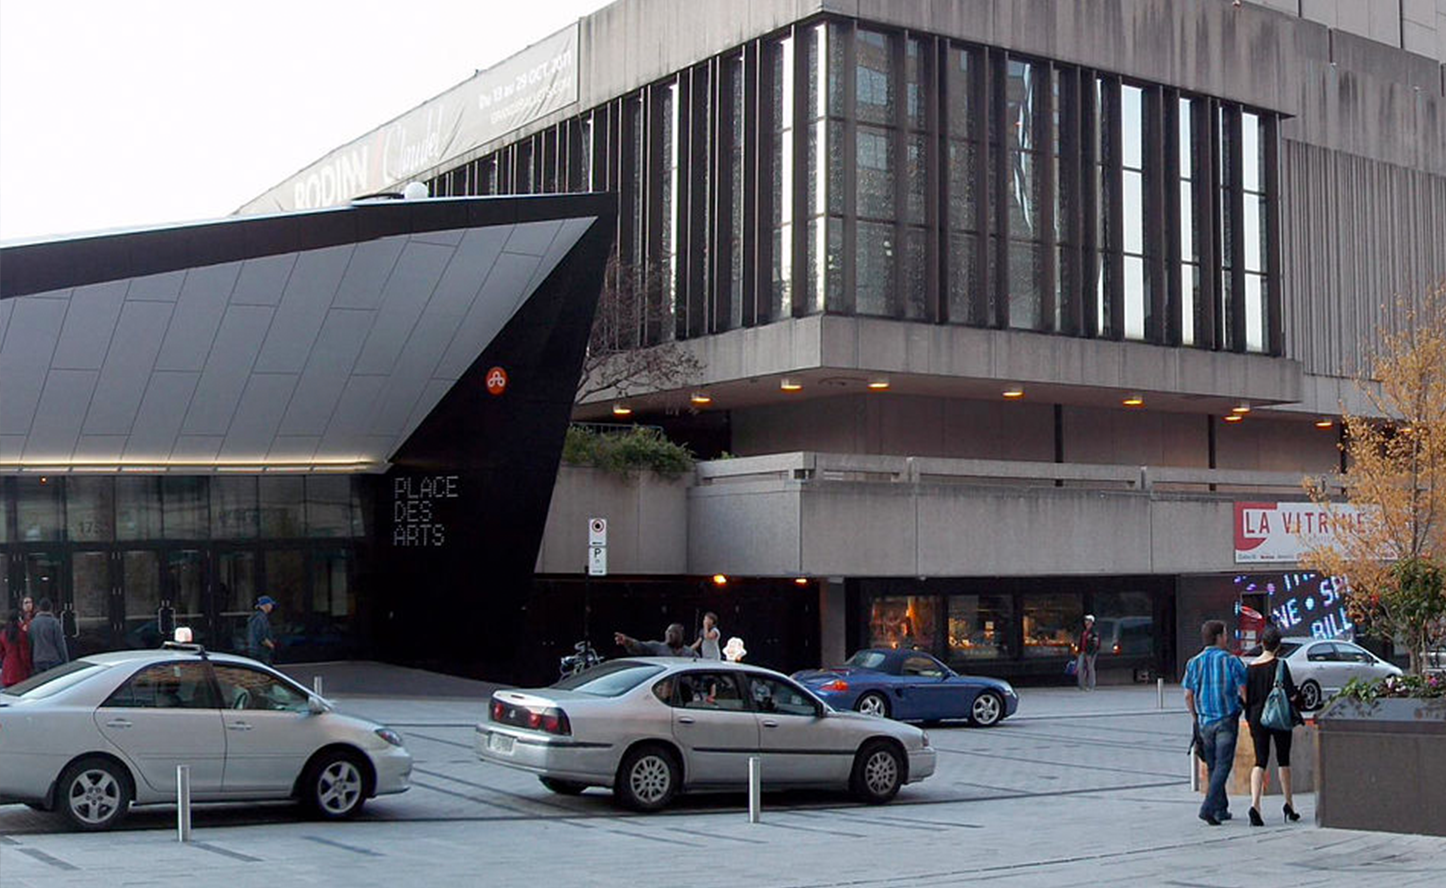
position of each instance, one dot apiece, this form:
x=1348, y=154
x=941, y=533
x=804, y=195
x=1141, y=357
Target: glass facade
x=110, y=550
x=838, y=166
x=1020, y=627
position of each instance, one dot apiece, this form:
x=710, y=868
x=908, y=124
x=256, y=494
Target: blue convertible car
x=910, y=686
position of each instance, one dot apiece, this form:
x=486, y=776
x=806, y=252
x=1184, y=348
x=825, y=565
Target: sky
x=122, y=113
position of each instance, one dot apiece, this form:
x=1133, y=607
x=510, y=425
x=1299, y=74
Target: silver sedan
x=649, y=728
x=94, y=736
x=1320, y=668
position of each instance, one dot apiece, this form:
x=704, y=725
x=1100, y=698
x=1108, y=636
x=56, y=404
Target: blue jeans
x=1217, y=742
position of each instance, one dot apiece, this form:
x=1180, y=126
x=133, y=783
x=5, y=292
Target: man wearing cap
x=259, y=640
x=1089, y=648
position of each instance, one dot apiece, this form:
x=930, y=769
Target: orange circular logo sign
x=496, y=381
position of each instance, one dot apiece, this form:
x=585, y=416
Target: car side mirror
x=315, y=705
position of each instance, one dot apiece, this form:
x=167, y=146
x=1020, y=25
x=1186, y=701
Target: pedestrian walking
x=47, y=640
x=260, y=641
x=1089, y=649
x=14, y=652
x=1262, y=677
x=27, y=612
x=1214, y=681
x=707, y=645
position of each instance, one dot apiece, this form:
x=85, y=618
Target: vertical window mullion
x=998, y=105
x=1114, y=191
x=802, y=213
x=1236, y=210
x=1071, y=155
x=982, y=105
x=1089, y=205
x=1170, y=230
x=1206, y=191
x=1157, y=231
x=720, y=145
x=758, y=218
x=1275, y=335
x=1045, y=165
x=849, y=298
x=900, y=138
x=937, y=193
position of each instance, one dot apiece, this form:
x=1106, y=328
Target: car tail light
x=498, y=710
x=837, y=684
x=551, y=721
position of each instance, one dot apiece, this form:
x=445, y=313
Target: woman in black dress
x=1260, y=679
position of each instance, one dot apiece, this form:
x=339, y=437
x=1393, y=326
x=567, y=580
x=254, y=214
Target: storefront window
x=979, y=626
x=282, y=514
x=1051, y=623
x=1126, y=624
x=185, y=503
x=233, y=508
x=904, y=621
x=328, y=506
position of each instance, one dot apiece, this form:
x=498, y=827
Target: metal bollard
x=183, y=803
x=755, y=788
x=1159, y=693
x=316, y=685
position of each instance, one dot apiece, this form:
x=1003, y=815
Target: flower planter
x=1382, y=765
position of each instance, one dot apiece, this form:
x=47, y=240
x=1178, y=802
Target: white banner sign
x=1271, y=532
x=535, y=82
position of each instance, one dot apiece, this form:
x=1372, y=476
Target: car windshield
x=53, y=681
x=1287, y=648
x=867, y=659
x=610, y=679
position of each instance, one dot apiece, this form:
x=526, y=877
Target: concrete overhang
x=833, y=354
x=306, y=341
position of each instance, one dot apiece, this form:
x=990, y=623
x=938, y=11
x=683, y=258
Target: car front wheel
x=987, y=710
x=94, y=794
x=335, y=785
x=647, y=779
x=873, y=703
x=878, y=772
x=1310, y=696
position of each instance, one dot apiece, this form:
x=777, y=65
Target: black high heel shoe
x=1255, y=817
x=1290, y=815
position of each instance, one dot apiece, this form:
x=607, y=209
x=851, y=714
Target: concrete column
x=831, y=621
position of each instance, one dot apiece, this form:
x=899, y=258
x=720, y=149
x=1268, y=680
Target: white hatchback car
x=1320, y=668
x=93, y=736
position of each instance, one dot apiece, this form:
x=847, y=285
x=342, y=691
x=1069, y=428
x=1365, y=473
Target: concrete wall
x=647, y=522
x=1136, y=437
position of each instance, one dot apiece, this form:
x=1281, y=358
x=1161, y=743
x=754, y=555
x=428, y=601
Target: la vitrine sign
x=1284, y=532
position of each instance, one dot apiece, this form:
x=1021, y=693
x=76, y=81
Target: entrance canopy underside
x=305, y=341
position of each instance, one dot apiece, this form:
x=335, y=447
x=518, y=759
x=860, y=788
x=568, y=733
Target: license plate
x=501, y=743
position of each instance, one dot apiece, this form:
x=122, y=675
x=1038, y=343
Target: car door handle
x=238, y=726
x=685, y=720
x=770, y=723
x=118, y=723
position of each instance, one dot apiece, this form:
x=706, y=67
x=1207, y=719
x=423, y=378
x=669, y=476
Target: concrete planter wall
x=1382, y=766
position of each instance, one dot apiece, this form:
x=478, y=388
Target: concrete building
x=1008, y=311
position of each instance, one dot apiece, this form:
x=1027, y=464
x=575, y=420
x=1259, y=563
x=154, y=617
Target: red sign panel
x=496, y=381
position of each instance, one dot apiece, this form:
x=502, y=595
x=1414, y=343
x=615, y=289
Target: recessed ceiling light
x=700, y=398
x=1014, y=392
x=1242, y=408
x=1233, y=417
x=791, y=385
x=621, y=409
x=720, y=580
x=1134, y=400
x=879, y=385
x=1325, y=422
x=800, y=581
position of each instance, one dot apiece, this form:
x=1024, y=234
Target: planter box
x=1382, y=766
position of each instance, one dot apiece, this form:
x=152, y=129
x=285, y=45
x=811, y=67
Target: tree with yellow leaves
x=1395, y=559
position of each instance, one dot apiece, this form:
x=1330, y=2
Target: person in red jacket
x=14, y=652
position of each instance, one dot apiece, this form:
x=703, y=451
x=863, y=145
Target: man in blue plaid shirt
x=1214, y=682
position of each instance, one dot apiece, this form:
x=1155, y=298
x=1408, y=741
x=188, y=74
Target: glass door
x=141, y=598
x=186, y=591
x=93, y=597
x=233, y=598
